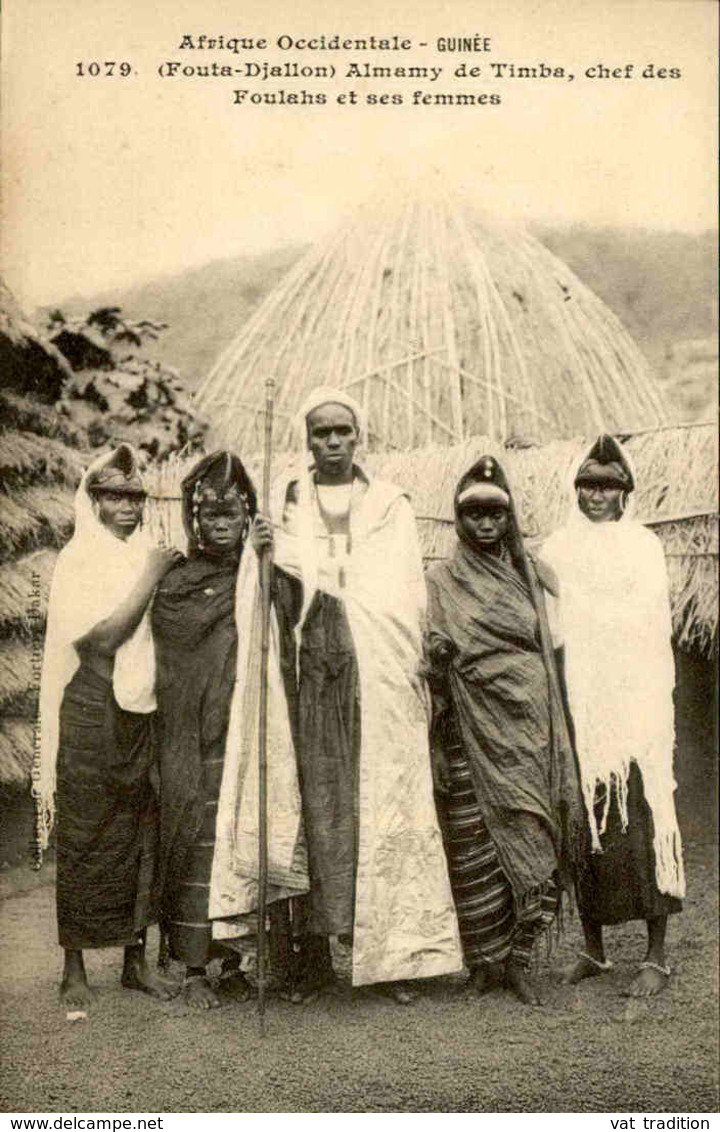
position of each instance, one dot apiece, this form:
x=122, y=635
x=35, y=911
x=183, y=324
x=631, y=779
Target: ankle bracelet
x=648, y=965
x=604, y=965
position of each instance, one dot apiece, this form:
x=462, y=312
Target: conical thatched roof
x=444, y=326
x=40, y=465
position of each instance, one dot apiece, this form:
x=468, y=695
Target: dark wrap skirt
x=618, y=884
x=328, y=760
x=107, y=818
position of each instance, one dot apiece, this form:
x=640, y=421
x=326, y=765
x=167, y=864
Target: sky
x=109, y=180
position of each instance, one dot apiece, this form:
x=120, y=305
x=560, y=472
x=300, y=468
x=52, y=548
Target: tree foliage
x=117, y=393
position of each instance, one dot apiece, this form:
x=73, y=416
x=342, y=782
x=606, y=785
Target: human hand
x=162, y=559
x=261, y=534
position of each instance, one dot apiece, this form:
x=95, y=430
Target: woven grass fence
x=676, y=497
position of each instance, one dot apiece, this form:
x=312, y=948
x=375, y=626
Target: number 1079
x=107, y=70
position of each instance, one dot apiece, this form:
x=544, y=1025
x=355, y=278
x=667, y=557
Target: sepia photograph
x=359, y=561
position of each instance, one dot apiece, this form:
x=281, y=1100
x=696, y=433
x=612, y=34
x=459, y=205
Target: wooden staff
x=265, y=576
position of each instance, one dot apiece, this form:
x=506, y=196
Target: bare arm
x=546, y=575
x=105, y=638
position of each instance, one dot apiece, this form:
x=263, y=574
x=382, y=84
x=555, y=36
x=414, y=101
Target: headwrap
x=120, y=473
x=484, y=483
x=606, y=463
x=93, y=575
x=216, y=478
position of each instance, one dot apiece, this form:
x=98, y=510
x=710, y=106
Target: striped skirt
x=492, y=928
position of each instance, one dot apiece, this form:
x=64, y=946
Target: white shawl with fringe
x=614, y=620
x=93, y=575
x=405, y=924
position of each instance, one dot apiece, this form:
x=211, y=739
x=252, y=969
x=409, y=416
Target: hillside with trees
x=662, y=286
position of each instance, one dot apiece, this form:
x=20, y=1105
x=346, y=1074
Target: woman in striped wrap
x=503, y=766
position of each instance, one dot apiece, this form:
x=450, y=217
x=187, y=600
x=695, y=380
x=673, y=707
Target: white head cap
x=328, y=395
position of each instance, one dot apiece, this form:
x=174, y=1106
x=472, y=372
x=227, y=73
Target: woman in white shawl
x=614, y=619
x=96, y=702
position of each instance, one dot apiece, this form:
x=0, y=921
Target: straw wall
x=676, y=496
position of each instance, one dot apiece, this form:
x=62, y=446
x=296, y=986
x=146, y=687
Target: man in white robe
x=348, y=560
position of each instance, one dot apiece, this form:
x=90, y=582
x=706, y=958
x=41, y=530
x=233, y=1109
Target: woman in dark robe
x=97, y=706
x=503, y=766
x=193, y=620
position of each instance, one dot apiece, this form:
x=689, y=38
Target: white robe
x=404, y=924
x=236, y=869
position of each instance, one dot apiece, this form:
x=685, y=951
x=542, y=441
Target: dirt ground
x=587, y=1049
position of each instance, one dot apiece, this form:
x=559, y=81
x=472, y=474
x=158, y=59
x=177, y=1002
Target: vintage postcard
x=460, y=221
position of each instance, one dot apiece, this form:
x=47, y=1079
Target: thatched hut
x=40, y=465
x=28, y=364
x=444, y=326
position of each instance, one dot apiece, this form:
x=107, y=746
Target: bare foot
x=584, y=968
x=198, y=993
x=483, y=978
x=233, y=984
x=137, y=976
x=308, y=989
x=401, y=992
x=521, y=983
x=651, y=979
x=74, y=990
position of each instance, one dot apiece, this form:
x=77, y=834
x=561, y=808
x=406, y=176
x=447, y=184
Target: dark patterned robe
x=193, y=619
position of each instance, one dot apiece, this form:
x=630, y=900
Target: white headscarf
x=93, y=575
x=615, y=622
